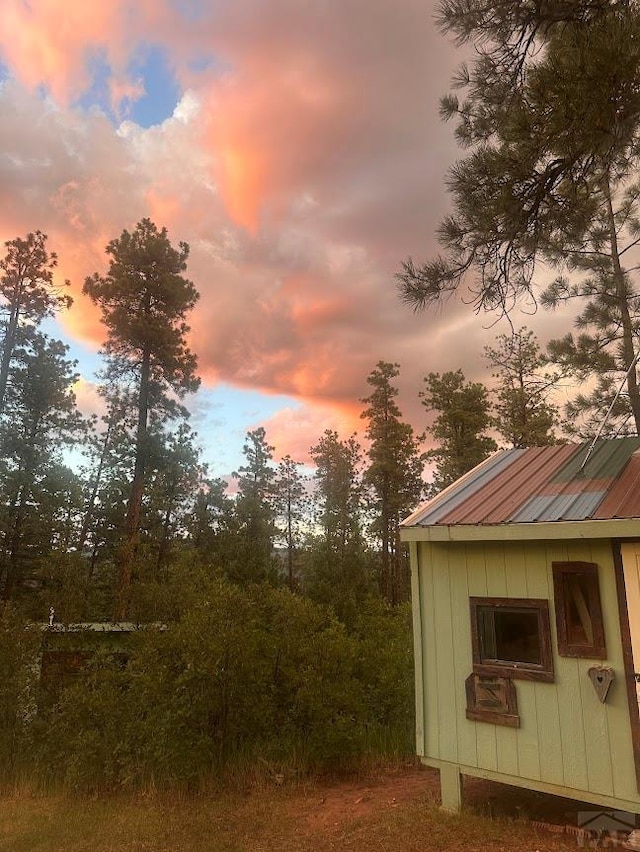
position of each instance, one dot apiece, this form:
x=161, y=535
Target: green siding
x=429, y=666
x=567, y=737
x=417, y=648
x=465, y=734
x=445, y=662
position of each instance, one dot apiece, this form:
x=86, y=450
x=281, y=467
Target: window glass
x=511, y=637
x=511, y=634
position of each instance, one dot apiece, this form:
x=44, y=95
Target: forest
x=270, y=593
x=277, y=618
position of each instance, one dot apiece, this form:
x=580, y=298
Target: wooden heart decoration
x=602, y=677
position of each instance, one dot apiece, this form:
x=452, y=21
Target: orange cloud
x=163, y=207
x=44, y=43
x=293, y=431
x=123, y=92
x=242, y=180
x=265, y=129
x=299, y=170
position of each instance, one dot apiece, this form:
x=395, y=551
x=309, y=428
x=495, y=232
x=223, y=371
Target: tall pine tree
x=28, y=294
x=523, y=412
x=393, y=476
x=145, y=298
x=462, y=418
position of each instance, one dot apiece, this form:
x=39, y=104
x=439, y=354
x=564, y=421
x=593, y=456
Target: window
x=511, y=638
x=578, y=610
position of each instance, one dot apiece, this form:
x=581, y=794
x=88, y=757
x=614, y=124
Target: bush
x=246, y=676
x=19, y=646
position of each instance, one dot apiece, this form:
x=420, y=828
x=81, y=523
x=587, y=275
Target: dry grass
x=397, y=812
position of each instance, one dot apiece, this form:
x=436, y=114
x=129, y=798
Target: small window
x=578, y=610
x=511, y=637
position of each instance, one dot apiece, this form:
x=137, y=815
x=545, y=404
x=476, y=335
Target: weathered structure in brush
x=526, y=609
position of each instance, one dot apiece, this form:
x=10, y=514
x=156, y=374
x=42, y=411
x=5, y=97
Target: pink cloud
x=303, y=164
x=293, y=431
x=123, y=92
x=46, y=44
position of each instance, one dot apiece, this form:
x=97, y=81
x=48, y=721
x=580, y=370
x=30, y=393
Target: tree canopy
x=551, y=113
x=144, y=299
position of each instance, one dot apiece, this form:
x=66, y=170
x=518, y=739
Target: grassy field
x=392, y=812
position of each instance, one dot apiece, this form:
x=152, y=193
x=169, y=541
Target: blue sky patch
x=162, y=91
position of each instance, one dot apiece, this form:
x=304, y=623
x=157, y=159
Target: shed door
x=631, y=565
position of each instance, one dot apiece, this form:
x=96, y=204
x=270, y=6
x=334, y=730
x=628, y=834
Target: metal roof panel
x=623, y=499
x=558, y=507
x=448, y=500
x=542, y=484
x=511, y=486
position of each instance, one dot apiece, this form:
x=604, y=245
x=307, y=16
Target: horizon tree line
x=99, y=538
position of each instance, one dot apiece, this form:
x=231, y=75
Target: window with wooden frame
x=578, y=610
x=510, y=637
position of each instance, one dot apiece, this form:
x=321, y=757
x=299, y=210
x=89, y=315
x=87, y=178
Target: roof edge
x=443, y=496
x=616, y=528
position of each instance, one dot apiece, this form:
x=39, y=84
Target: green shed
x=526, y=612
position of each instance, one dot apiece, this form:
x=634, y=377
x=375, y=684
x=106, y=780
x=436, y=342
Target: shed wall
x=567, y=737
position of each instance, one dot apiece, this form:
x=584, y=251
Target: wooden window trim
x=506, y=668
x=596, y=649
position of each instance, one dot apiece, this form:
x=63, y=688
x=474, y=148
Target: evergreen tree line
x=279, y=629
x=98, y=542
x=271, y=643
x=548, y=110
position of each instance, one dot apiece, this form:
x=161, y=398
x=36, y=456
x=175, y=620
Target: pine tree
x=393, y=476
x=523, y=414
x=552, y=111
x=339, y=569
x=28, y=294
x=211, y=523
x=462, y=418
x=145, y=298
x=338, y=491
x=292, y=508
x=40, y=419
x=177, y=471
x=255, y=511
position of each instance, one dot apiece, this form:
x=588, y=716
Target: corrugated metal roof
x=563, y=482
x=622, y=499
x=450, y=499
x=560, y=507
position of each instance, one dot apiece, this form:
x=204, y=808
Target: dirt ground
x=340, y=803
x=391, y=811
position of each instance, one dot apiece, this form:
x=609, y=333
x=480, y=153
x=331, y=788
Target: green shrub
x=253, y=676
x=18, y=688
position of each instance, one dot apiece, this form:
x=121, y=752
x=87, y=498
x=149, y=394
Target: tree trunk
x=290, y=542
x=14, y=543
x=88, y=515
x=7, y=352
x=628, y=353
x=127, y=551
x=163, y=550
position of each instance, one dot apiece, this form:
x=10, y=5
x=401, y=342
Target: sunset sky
x=294, y=144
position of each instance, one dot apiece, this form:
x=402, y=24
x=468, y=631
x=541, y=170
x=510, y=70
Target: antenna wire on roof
x=609, y=410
